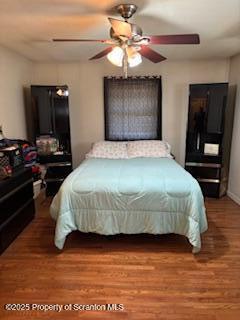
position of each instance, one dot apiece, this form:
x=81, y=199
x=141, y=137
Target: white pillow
x=148, y=148
x=109, y=150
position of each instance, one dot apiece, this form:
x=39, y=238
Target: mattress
x=130, y=196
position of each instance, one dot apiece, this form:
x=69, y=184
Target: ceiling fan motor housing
x=136, y=33
x=126, y=10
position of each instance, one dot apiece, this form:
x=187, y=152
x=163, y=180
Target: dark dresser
x=17, y=207
x=209, y=132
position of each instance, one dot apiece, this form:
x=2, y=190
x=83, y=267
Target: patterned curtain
x=132, y=108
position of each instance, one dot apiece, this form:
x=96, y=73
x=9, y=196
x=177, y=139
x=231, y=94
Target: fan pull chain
x=125, y=64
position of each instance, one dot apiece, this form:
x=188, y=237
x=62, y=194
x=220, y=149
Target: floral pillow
x=108, y=150
x=148, y=148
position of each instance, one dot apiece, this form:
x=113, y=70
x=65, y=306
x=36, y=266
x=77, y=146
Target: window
x=132, y=108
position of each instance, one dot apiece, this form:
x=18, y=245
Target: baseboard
x=233, y=197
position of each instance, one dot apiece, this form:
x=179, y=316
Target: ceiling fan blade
x=102, y=53
x=151, y=54
x=79, y=40
x=121, y=28
x=175, y=39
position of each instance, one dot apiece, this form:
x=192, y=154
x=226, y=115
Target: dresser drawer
x=17, y=179
x=10, y=229
x=58, y=172
x=53, y=187
x=15, y=199
x=204, y=172
x=210, y=189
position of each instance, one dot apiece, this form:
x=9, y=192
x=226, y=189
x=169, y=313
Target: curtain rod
x=133, y=77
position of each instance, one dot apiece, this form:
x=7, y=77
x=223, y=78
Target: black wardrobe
x=209, y=132
x=50, y=117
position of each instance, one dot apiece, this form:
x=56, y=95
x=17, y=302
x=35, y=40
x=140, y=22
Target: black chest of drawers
x=17, y=207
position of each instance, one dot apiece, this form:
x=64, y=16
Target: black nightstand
x=58, y=167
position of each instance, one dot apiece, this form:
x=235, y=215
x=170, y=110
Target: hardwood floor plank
x=155, y=277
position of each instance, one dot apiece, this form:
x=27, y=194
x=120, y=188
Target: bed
x=131, y=195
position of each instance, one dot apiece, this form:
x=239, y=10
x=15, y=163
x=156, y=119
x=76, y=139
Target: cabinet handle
x=54, y=180
x=208, y=180
x=58, y=164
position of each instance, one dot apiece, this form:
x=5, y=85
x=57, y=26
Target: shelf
x=202, y=164
x=58, y=158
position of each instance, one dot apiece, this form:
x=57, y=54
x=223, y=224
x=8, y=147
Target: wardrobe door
x=42, y=110
x=216, y=108
x=61, y=125
x=51, y=114
x=197, y=118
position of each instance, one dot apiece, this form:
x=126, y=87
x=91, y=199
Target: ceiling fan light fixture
x=135, y=60
x=116, y=56
x=131, y=51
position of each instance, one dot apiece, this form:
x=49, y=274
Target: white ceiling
x=27, y=26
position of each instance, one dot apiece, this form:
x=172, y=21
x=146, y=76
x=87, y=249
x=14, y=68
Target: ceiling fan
x=127, y=43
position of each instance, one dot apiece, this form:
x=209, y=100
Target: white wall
x=85, y=81
x=234, y=175
x=15, y=73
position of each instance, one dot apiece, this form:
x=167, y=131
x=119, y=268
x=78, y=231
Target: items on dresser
x=209, y=130
x=47, y=145
x=4, y=173
x=16, y=205
x=11, y=157
x=4, y=142
x=1, y=137
x=29, y=153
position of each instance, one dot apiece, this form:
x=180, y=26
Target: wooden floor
x=154, y=277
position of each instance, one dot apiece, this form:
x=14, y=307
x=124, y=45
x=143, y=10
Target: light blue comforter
x=141, y=195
